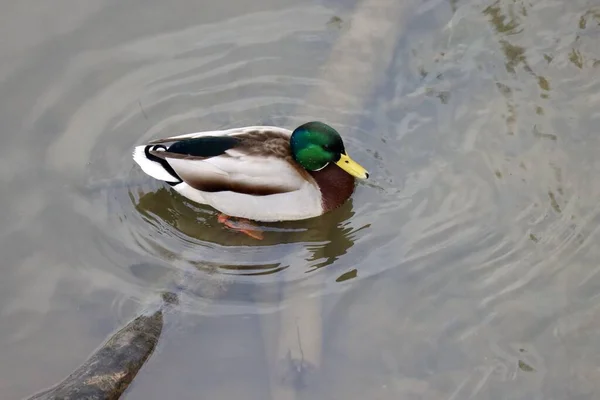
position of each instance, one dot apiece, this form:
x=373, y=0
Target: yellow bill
x=352, y=167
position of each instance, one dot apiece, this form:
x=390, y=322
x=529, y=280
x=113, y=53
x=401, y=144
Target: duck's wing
x=226, y=132
x=254, y=161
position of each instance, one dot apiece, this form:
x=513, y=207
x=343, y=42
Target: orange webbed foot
x=242, y=225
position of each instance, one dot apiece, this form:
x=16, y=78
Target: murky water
x=467, y=267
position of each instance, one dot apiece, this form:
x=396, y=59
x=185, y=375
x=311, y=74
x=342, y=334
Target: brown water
x=467, y=267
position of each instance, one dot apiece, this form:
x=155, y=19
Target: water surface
x=464, y=268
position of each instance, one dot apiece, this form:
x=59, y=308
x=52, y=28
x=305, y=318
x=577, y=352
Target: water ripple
x=199, y=78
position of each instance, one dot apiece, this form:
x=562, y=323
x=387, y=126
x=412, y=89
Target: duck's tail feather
x=154, y=166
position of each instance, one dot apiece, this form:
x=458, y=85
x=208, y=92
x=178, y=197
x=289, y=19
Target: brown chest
x=335, y=184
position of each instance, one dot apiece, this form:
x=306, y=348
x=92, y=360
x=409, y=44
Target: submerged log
x=110, y=370
x=357, y=63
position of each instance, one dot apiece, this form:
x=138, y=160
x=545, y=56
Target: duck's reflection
x=327, y=237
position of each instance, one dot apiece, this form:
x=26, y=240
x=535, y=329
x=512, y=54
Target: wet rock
x=110, y=370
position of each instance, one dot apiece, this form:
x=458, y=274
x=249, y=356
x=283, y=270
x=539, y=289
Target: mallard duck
x=260, y=173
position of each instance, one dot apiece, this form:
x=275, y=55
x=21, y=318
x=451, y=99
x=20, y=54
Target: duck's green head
x=314, y=145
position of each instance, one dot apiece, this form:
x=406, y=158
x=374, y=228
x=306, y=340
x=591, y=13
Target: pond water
x=466, y=267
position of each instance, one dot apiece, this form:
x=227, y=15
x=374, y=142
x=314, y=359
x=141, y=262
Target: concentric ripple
x=229, y=74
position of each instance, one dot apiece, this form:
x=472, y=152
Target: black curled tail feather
x=161, y=161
